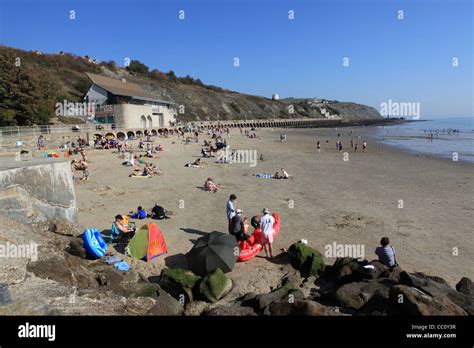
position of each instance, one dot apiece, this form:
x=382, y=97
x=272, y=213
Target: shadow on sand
x=193, y=231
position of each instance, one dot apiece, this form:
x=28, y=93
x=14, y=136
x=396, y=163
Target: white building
x=127, y=104
x=275, y=96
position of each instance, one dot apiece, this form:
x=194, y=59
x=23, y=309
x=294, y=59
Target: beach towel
x=122, y=266
x=110, y=260
x=115, y=232
x=264, y=176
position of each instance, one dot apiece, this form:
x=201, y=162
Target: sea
x=449, y=137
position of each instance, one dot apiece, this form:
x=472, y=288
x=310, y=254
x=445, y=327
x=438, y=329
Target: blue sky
x=407, y=60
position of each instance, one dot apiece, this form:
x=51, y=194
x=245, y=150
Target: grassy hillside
x=31, y=84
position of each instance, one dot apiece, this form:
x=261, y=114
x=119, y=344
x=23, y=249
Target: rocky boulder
x=64, y=227
x=215, y=286
x=166, y=305
x=196, y=308
x=289, y=286
x=307, y=260
x=349, y=296
x=76, y=248
x=179, y=283
x=298, y=307
x=412, y=301
x=229, y=311
x=465, y=286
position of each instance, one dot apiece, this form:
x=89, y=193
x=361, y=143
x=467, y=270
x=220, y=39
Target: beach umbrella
x=212, y=251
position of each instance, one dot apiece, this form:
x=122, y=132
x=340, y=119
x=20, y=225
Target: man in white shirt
x=266, y=223
x=231, y=209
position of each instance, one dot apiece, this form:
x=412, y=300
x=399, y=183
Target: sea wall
x=37, y=190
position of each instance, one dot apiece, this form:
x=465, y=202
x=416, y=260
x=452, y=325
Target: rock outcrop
x=37, y=190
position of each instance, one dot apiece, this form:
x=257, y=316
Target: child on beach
x=140, y=214
x=266, y=223
x=364, y=146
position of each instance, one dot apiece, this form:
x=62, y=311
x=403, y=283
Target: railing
x=35, y=131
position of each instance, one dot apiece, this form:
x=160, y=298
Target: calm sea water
x=415, y=137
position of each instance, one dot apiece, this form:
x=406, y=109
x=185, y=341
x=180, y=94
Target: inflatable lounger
x=253, y=246
x=94, y=243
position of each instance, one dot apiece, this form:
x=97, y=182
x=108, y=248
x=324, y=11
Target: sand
x=328, y=200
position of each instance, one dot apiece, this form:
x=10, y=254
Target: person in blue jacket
x=140, y=214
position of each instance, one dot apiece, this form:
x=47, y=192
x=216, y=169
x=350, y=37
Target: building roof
x=127, y=89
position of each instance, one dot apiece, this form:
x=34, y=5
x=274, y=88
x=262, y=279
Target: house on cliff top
x=127, y=104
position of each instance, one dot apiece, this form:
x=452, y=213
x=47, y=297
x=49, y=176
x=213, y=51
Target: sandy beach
x=328, y=200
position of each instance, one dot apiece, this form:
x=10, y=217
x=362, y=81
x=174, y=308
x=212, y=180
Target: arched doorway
x=149, y=122
x=143, y=121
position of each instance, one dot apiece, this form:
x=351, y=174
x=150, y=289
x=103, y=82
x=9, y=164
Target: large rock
x=346, y=270
x=298, y=307
x=37, y=190
x=412, y=301
x=308, y=260
x=229, y=311
x=464, y=301
x=55, y=267
x=465, y=286
x=76, y=248
x=378, y=305
x=289, y=285
x=179, y=283
x=433, y=286
x=215, y=286
x=64, y=227
x=196, y=308
x=166, y=305
x=349, y=296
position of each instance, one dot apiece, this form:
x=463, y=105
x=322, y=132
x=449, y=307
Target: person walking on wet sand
x=266, y=223
x=318, y=145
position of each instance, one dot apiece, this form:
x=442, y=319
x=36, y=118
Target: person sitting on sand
x=140, y=214
x=158, y=212
x=210, y=185
x=156, y=171
x=386, y=253
x=285, y=174
x=119, y=229
x=277, y=176
x=266, y=222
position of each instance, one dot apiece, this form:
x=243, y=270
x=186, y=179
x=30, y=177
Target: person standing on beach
x=318, y=145
x=340, y=146
x=231, y=209
x=266, y=223
x=337, y=144
x=237, y=228
x=364, y=146
x=352, y=143
x=355, y=147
